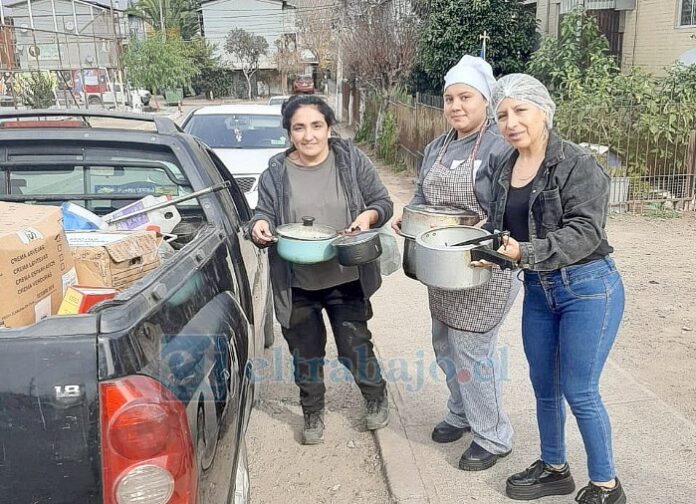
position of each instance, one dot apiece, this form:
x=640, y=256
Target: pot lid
x=440, y=209
x=306, y=230
x=348, y=240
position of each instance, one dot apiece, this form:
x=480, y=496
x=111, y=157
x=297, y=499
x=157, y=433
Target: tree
x=159, y=62
x=579, y=61
x=287, y=58
x=180, y=16
x=380, y=48
x=317, y=31
x=247, y=49
x=454, y=28
x=36, y=89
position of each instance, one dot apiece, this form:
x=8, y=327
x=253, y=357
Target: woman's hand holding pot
x=396, y=224
x=509, y=248
x=364, y=221
x=261, y=233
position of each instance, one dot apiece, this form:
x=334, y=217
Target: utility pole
x=343, y=9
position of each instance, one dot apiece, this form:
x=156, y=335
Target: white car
x=244, y=137
x=278, y=100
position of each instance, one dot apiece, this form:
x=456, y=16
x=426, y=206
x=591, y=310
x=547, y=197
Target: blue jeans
x=569, y=323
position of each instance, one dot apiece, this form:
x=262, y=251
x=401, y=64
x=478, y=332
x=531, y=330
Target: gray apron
x=476, y=310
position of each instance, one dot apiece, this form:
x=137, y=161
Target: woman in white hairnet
x=552, y=196
x=465, y=324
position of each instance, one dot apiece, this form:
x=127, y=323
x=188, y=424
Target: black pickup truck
x=145, y=398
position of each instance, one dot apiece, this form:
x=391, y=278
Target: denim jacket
x=568, y=202
x=364, y=191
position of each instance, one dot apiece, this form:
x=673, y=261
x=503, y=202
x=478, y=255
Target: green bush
x=36, y=89
x=388, y=142
x=644, y=120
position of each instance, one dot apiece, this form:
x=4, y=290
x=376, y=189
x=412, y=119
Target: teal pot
x=306, y=242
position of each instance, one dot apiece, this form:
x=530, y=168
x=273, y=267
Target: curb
x=399, y=465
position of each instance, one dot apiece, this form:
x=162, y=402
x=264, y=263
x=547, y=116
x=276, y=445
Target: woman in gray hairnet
x=465, y=324
x=552, y=196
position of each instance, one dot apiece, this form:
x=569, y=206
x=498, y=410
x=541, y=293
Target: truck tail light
x=147, y=452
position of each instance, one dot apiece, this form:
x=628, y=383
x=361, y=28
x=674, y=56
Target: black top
x=516, y=218
x=516, y=221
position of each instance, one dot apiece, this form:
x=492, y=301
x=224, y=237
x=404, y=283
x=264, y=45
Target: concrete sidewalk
x=655, y=446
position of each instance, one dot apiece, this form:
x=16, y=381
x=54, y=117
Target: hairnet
x=525, y=88
x=474, y=72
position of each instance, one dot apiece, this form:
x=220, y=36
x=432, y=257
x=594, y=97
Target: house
x=69, y=34
x=271, y=19
x=651, y=34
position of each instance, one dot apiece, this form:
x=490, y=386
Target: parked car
x=145, y=398
x=277, y=100
x=245, y=137
x=114, y=96
x=304, y=84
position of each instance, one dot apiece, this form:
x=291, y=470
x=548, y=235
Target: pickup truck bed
x=148, y=393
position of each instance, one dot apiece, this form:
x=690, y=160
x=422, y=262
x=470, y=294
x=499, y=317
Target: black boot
x=593, y=494
x=377, y=412
x=313, y=432
x=477, y=458
x=446, y=433
x=540, y=480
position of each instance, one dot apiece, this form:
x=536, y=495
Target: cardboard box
x=80, y=299
x=113, y=259
x=36, y=266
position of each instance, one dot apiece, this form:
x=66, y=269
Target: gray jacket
x=364, y=191
x=568, y=205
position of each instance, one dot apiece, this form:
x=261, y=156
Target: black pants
x=348, y=312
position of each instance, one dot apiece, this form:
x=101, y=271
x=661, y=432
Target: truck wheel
x=268, y=335
x=94, y=100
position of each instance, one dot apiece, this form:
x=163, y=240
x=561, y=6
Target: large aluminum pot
x=440, y=264
x=306, y=242
x=420, y=218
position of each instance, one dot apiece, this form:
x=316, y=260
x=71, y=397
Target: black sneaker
x=446, y=433
x=377, y=412
x=593, y=494
x=313, y=432
x=540, y=480
x=477, y=458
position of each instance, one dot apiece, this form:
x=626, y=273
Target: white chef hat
x=474, y=72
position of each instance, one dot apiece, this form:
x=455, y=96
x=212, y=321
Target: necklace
x=525, y=178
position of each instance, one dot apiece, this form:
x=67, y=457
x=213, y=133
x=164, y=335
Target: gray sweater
x=364, y=191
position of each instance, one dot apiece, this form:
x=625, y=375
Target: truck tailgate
x=49, y=414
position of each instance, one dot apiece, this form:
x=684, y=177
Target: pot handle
x=489, y=255
x=307, y=221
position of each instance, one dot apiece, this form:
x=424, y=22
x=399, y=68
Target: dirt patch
x=657, y=341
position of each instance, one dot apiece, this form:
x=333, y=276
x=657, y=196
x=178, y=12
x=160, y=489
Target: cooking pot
x=420, y=218
x=354, y=249
x=409, y=256
x=440, y=263
x=306, y=242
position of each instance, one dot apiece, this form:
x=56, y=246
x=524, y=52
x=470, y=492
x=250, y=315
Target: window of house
x=687, y=13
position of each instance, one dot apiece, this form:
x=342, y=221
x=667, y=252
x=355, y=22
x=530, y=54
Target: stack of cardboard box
x=45, y=271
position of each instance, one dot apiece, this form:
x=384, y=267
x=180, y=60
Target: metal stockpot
x=420, y=218
x=440, y=264
x=358, y=248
